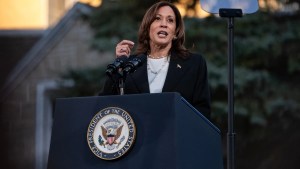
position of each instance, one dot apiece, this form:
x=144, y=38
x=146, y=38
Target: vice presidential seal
x=111, y=133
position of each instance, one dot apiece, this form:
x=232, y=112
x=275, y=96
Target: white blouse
x=157, y=71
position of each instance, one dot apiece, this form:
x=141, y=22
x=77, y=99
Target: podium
x=170, y=134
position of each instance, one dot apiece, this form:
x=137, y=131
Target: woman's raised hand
x=124, y=48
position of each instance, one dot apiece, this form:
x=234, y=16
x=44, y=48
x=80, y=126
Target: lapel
x=175, y=72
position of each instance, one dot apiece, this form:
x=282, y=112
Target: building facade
x=29, y=93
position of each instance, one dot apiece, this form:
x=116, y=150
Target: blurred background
x=60, y=48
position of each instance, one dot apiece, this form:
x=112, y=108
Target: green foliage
x=117, y=20
x=87, y=82
x=265, y=54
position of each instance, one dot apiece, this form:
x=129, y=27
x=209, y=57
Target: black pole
x=122, y=77
x=230, y=14
x=231, y=133
x=121, y=86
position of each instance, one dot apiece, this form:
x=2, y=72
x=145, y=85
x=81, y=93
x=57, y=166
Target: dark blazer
x=185, y=76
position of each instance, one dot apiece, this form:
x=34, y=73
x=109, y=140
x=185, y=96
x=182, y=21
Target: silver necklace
x=156, y=57
x=155, y=73
x=149, y=66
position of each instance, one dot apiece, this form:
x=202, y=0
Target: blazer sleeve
x=111, y=85
x=202, y=98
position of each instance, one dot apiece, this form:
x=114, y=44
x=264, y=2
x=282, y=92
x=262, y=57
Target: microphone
x=133, y=64
x=118, y=63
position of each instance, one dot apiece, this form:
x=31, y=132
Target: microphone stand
x=130, y=67
x=230, y=14
x=121, y=82
x=121, y=86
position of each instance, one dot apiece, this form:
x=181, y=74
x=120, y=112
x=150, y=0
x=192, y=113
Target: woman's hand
x=124, y=48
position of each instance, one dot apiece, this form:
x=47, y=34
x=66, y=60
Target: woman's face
x=162, y=29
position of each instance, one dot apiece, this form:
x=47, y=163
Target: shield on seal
x=110, y=140
x=111, y=134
